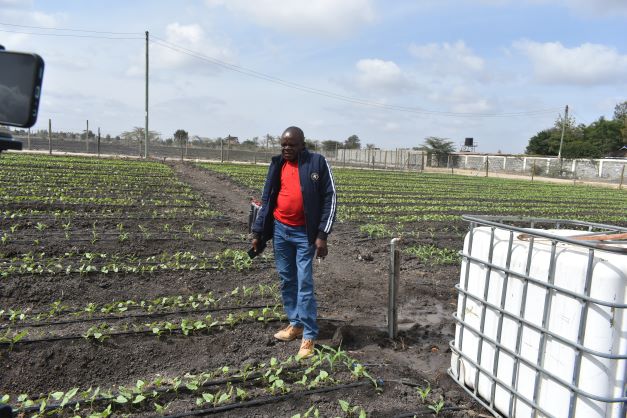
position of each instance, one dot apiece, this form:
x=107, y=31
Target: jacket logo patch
x=315, y=176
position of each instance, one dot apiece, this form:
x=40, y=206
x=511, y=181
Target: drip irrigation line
x=163, y=390
x=267, y=399
x=74, y=171
x=143, y=332
x=193, y=332
x=162, y=191
x=137, y=237
x=430, y=412
x=81, y=215
x=122, y=272
x=134, y=205
x=145, y=315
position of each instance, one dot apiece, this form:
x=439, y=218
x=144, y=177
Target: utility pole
x=87, y=137
x=146, y=129
x=50, y=136
x=564, y=121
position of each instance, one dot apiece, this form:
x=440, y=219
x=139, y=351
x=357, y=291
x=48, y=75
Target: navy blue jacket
x=319, y=198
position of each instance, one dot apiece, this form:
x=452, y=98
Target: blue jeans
x=294, y=262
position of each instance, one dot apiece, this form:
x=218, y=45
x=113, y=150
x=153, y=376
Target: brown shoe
x=289, y=333
x=306, y=349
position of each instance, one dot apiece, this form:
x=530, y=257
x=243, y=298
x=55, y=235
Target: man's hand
x=321, y=248
x=256, y=242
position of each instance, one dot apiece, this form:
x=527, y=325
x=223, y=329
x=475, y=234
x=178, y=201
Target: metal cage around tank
x=497, y=336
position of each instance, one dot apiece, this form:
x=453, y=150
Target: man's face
x=291, y=146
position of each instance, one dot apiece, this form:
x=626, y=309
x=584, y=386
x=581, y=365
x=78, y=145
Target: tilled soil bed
x=351, y=287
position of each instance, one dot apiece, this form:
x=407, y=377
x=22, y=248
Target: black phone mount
x=6, y=139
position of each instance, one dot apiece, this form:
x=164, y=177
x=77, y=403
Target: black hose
x=266, y=400
x=217, y=382
x=428, y=412
x=144, y=315
x=113, y=334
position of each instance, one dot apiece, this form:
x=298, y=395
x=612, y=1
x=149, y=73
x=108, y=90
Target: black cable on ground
x=120, y=333
x=164, y=390
x=146, y=315
x=267, y=400
x=140, y=332
x=430, y=412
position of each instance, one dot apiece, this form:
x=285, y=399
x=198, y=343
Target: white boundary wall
x=606, y=170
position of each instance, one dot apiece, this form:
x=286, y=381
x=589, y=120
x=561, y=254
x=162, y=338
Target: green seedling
x=436, y=407
x=352, y=411
x=423, y=393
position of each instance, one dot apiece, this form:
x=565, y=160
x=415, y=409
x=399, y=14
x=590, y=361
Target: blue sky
x=398, y=71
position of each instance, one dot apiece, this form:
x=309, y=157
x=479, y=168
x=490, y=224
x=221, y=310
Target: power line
x=67, y=35
x=256, y=74
x=71, y=30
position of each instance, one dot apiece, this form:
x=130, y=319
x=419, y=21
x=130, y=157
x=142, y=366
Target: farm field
x=126, y=289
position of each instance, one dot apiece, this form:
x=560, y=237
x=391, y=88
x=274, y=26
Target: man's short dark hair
x=294, y=132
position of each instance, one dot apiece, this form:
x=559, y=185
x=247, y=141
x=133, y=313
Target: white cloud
x=379, y=75
x=16, y=37
x=587, y=64
x=461, y=98
x=321, y=18
x=448, y=59
x=171, y=57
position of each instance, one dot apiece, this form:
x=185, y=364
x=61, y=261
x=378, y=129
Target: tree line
x=601, y=138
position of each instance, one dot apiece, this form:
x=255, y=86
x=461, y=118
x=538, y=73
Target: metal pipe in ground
x=395, y=270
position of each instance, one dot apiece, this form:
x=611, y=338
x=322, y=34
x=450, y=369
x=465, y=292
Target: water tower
x=469, y=145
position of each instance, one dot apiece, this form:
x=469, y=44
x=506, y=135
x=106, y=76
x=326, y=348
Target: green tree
x=137, y=135
x=312, y=144
x=620, y=115
x=539, y=143
x=581, y=149
x=620, y=111
x=251, y=143
x=352, y=142
x=181, y=137
x=331, y=145
x=437, y=145
x=269, y=140
x=547, y=142
x=605, y=135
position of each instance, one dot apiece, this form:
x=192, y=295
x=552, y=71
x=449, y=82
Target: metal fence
x=600, y=170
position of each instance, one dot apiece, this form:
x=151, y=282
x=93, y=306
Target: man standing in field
x=298, y=210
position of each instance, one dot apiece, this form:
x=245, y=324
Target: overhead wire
x=70, y=29
x=69, y=35
x=266, y=77
x=269, y=78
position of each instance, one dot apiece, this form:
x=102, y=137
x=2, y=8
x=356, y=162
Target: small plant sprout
x=436, y=407
x=352, y=411
x=311, y=412
x=41, y=226
x=424, y=392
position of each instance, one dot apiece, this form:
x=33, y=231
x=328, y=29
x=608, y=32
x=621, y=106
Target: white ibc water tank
x=545, y=322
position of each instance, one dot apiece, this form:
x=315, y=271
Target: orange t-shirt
x=289, y=204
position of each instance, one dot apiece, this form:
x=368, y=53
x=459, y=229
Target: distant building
x=233, y=140
x=620, y=153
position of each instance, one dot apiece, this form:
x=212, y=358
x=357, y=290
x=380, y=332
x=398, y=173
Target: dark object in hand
x=260, y=247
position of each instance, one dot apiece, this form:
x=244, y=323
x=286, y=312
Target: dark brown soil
x=351, y=286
